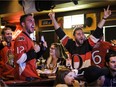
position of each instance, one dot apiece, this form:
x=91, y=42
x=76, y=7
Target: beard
x=80, y=42
x=30, y=31
x=8, y=39
x=113, y=69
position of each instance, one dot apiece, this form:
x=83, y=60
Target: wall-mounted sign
x=45, y=23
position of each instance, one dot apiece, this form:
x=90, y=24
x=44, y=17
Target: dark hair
x=12, y=26
x=76, y=29
x=60, y=76
x=110, y=54
x=92, y=73
x=4, y=29
x=23, y=17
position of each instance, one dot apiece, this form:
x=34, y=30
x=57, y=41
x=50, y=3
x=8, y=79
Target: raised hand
x=51, y=15
x=107, y=12
x=36, y=48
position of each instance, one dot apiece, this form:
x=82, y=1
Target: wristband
x=104, y=18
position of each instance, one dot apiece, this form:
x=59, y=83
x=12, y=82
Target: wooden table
x=37, y=83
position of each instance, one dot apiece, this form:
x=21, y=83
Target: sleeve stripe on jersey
x=22, y=63
x=64, y=40
x=22, y=59
x=95, y=40
x=22, y=67
x=91, y=42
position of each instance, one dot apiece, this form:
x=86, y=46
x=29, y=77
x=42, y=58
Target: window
x=109, y=33
x=70, y=21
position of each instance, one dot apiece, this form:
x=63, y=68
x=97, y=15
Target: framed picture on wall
x=112, y=17
x=45, y=23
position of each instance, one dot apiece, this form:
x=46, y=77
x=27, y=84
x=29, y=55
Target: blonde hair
x=59, y=52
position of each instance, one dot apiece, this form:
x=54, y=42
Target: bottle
x=42, y=38
x=42, y=42
x=68, y=61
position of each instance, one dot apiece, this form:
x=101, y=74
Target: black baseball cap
x=92, y=73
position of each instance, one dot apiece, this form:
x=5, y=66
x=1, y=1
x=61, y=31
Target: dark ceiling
x=11, y=10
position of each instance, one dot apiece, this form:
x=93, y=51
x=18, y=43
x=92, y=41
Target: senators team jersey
x=7, y=60
x=24, y=68
x=99, y=51
x=81, y=55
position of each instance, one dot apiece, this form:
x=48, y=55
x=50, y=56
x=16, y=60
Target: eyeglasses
x=52, y=48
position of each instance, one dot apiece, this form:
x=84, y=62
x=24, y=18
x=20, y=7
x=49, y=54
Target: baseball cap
x=92, y=73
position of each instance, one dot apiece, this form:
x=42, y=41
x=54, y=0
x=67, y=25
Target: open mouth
x=81, y=40
x=32, y=26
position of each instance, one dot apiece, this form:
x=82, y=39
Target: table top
x=38, y=82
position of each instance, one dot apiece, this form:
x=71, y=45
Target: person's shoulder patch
x=21, y=38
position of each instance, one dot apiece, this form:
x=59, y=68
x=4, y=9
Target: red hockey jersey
x=7, y=60
x=99, y=51
x=23, y=68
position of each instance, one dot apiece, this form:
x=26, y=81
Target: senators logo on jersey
x=21, y=38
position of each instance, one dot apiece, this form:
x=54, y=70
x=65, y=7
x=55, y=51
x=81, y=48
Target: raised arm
x=59, y=31
x=107, y=13
x=52, y=17
x=98, y=33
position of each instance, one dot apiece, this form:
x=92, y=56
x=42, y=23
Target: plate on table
x=46, y=73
